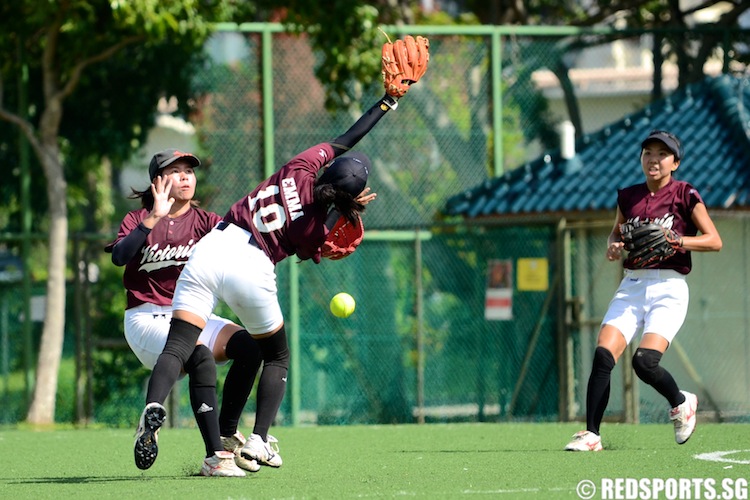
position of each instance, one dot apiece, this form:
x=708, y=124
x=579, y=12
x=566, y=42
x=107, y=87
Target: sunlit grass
x=505, y=460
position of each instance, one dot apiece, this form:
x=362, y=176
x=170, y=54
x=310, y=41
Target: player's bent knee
x=603, y=359
x=274, y=349
x=646, y=364
x=201, y=368
x=243, y=347
x=181, y=340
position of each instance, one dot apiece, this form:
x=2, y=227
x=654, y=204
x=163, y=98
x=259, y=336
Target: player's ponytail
x=327, y=195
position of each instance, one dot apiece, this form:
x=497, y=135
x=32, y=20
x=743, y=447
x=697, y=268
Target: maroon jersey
x=151, y=276
x=281, y=212
x=672, y=207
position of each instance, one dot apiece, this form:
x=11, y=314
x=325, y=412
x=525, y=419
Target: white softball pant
x=147, y=327
x=649, y=301
x=225, y=266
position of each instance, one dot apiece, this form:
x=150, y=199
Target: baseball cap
x=348, y=173
x=670, y=140
x=165, y=158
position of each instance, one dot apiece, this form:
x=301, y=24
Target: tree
x=349, y=48
x=61, y=44
x=670, y=20
x=95, y=70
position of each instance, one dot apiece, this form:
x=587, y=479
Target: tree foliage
x=345, y=36
x=80, y=80
x=83, y=61
x=683, y=34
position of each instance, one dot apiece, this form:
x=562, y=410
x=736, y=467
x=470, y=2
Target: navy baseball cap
x=670, y=140
x=165, y=158
x=348, y=173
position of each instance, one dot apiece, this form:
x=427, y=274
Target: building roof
x=712, y=119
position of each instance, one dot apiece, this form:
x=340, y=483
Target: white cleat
x=585, y=441
x=684, y=419
x=221, y=465
x=234, y=443
x=265, y=453
x=147, y=435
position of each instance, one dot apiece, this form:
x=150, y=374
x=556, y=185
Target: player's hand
x=365, y=196
x=614, y=250
x=160, y=188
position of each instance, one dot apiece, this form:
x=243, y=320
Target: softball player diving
x=289, y=214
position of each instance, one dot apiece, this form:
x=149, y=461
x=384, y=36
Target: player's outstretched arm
x=403, y=63
x=361, y=127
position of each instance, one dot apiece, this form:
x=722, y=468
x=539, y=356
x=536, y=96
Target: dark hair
x=147, y=198
x=327, y=195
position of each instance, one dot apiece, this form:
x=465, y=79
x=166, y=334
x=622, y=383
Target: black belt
x=224, y=224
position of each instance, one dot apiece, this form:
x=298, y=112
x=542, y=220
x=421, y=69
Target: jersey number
x=269, y=217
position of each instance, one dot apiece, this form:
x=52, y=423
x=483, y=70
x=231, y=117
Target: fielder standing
x=653, y=296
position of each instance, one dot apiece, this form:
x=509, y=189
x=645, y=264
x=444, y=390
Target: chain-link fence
x=418, y=347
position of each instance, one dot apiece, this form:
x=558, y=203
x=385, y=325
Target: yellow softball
x=342, y=305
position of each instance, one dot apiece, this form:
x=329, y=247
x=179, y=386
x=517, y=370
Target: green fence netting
x=418, y=347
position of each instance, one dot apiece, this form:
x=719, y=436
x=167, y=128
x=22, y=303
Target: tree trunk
x=571, y=101
x=42, y=409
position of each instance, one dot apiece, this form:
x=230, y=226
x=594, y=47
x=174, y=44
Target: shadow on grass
x=104, y=479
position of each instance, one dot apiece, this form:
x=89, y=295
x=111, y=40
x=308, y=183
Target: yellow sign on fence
x=532, y=275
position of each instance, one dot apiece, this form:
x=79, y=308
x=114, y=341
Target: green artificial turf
x=498, y=460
